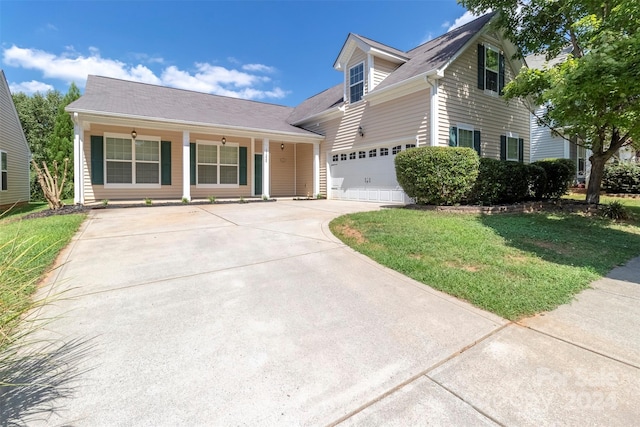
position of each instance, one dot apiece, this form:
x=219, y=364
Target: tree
x=595, y=93
x=60, y=146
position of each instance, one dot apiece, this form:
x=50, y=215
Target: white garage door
x=368, y=176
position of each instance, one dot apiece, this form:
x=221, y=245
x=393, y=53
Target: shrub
x=560, y=175
x=614, y=210
x=621, y=178
x=437, y=175
x=505, y=182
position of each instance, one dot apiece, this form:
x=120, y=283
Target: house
x=547, y=144
x=137, y=140
x=14, y=152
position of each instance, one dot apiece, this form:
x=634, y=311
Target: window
x=131, y=161
x=384, y=151
x=352, y=156
x=512, y=148
x=582, y=156
x=395, y=150
x=362, y=154
x=410, y=146
x=217, y=164
x=335, y=158
x=373, y=153
x=465, y=138
x=356, y=82
x=491, y=66
x=3, y=170
x=343, y=156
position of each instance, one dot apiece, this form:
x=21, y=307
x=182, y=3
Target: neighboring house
x=14, y=152
x=546, y=144
x=136, y=140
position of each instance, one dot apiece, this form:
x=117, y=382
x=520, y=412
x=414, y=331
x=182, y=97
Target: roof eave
x=327, y=114
x=303, y=134
x=402, y=88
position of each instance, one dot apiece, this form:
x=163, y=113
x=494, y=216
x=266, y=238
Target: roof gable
x=9, y=114
x=368, y=46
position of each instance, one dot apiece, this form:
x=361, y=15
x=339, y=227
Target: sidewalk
x=577, y=365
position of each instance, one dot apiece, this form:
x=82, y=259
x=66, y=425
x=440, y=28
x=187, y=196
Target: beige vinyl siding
x=381, y=69
x=461, y=102
x=304, y=170
x=14, y=143
x=282, y=169
x=357, y=57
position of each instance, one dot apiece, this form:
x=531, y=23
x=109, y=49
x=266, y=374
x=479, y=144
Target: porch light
x=223, y=140
x=282, y=147
x=360, y=131
x=134, y=134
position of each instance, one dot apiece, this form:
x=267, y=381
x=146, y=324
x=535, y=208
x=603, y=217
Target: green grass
x=28, y=249
x=632, y=204
x=514, y=265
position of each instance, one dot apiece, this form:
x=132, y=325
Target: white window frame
x=219, y=164
x=133, y=161
x=512, y=136
x=4, y=171
x=350, y=85
x=487, y=48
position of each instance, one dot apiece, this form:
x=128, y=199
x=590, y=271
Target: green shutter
x=243, y=165
x=165, y=167
x=503, y=147
x=97, y=160
x=476, y=142
x=521, y=150
x=453, y=136
x=501, y=74
x=480, y=67
x=192, y=156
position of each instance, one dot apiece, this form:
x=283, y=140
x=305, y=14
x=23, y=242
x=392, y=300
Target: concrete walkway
x=254, y=314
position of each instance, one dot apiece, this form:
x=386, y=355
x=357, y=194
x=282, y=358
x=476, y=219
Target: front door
x=257, y=173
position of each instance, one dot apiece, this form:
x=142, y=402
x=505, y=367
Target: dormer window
x=356, y=82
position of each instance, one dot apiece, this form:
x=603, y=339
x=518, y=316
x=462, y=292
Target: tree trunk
x=595, y=177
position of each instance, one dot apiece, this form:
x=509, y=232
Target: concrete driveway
x=254, y=314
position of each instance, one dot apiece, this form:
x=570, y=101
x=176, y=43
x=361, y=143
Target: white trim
x=468, y=128
x=511, y=135
x=133, y=161
x=370, y=69
x=78, y=155
x=490, y=92
x=186, y=166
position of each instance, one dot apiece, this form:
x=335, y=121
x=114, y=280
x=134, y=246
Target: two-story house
x=136, y=140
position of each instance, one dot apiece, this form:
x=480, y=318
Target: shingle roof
x=429, y=56
x=381, y=46
x=332, y=97
x=539, y=61
x=120, y=97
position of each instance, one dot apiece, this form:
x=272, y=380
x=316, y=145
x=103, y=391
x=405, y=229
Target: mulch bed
x=566, y=206
x=65, y=210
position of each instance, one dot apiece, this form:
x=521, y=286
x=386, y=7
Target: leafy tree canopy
x=593, y=94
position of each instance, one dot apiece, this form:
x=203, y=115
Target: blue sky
x=273, y=51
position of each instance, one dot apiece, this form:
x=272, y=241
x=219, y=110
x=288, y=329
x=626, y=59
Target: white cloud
x=72, y=66
x=30, y=87
x=460, y=21
x=259, y=68
x=446, y=24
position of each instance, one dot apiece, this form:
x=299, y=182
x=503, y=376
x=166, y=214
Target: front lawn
x=28, y=248
x=514, y=265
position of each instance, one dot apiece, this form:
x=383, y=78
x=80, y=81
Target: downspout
x=434, y=104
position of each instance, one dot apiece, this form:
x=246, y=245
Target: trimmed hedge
x=560, y=174
x=505, y=182
x=621, y=178
x=437, y=175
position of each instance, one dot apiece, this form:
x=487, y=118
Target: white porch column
x=266, y=185
x=186, y=166
x=252, y=168
x=78, y=161
x=316, y=168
